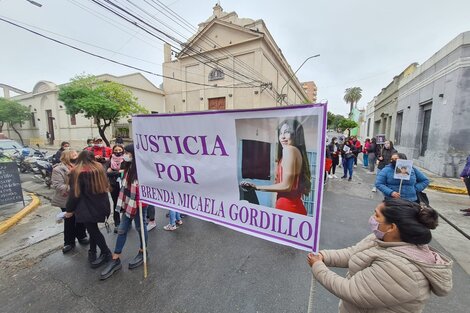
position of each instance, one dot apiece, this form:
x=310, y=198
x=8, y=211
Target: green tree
x=13, y=113
x=347, y=124
x=352, y=96
x=104, y=101
x=330, y=120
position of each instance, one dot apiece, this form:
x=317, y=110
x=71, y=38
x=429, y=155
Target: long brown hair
x=86, y=163
x=296, y=131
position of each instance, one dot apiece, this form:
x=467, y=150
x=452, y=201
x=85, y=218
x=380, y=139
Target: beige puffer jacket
x=381, y=278
x=59, y=180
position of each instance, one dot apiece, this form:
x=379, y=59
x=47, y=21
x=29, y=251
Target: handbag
x=422, y=198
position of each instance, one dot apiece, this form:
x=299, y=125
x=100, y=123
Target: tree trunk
x=1, y=127
x=351, y=108
x=101, y=130
x=18, y=133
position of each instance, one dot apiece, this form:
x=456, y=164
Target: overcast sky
x=362, y=43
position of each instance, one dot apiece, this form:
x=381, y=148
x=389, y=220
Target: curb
x=447, y=189
x=7, y=224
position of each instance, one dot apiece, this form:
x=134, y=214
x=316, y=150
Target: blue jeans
x=174, y=216
x=348, y=166
x=124, y=227
x=365, y=158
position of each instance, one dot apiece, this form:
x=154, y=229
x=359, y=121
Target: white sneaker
x=334, y=176
x=151, y=225
x=374, y=189
x=330, y=176
x=371, y=173
x=170, y=227
x=355, y=165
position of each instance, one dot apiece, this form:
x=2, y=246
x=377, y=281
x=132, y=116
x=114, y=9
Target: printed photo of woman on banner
x=278, y=159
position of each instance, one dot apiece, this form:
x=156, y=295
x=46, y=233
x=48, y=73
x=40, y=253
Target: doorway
x=50, y=126
x=425, y=133
x=217, y=103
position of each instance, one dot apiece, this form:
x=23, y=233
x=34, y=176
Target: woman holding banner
x=128, y=203
x=391, y=270
x=400, y=188
x=292, y=171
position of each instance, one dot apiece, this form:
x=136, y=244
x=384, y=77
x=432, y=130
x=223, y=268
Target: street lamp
x=281, y=96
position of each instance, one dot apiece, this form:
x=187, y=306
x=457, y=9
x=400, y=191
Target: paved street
x=203, y=267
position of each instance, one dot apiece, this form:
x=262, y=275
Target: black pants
x=151, y=212
x=334, y=164
x=72, y=230
x=115, y=196
x=355, y=158
x=96, y=238
x=467, y=184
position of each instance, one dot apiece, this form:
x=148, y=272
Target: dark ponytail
x=413, y=220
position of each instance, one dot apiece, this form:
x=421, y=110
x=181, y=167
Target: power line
x=77, y=40
x=111, y=60
x=110, y=21
x=208, y=60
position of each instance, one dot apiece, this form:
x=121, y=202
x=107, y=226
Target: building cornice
x=458, y=64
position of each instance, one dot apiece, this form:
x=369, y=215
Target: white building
x=50, y=124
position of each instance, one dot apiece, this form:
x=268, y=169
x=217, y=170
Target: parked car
x=10, y=146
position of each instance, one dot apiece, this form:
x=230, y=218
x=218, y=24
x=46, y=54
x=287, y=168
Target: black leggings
x=96, y=238
x=335, y=163
x=115, y=196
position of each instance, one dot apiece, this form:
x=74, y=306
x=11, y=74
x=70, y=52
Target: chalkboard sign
x=10, y=184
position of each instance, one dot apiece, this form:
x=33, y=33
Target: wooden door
x=217, y=103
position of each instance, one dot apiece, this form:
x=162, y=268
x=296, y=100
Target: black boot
x=138, y=260
x=84, y=241
x=102, y=259
x=91, y=256
x=113, y=266
x=67, y=248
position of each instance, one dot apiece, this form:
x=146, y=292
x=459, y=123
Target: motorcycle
x=40, y=166
x=45, y=169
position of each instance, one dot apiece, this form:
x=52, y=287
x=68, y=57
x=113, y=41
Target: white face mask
x=127, y=158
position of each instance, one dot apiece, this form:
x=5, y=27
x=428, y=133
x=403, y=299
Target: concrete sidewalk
x=11, y=214
x=445, y=184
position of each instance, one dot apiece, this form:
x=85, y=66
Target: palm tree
x=352, y=96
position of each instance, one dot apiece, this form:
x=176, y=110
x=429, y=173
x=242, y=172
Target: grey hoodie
x=384, y=276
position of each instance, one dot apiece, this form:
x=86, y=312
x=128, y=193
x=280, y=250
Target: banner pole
x=399, y=189
x=142, y=234
x=312, y=294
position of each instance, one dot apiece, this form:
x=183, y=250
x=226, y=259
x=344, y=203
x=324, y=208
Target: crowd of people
x=98, y=180
x=90, y=186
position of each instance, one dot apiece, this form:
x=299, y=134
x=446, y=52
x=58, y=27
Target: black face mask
x=118, y=154
x=394, y=163
x=73, y=161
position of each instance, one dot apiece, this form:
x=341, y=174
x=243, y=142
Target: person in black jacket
x=89, y=202
x=385, y=156
x=64, y=145
x=113, y=170
x=335, y=152
x=372, y=150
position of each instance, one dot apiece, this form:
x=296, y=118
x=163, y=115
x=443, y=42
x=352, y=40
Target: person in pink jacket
x=391, y=270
